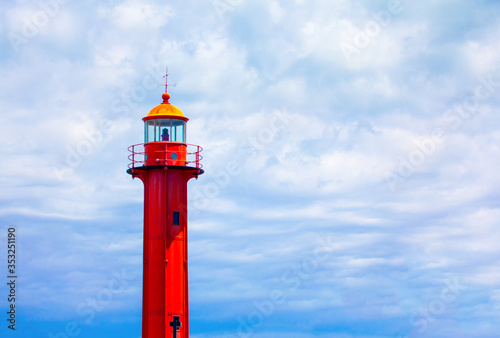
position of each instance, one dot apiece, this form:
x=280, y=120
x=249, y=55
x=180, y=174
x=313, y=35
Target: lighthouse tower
x=165, y=163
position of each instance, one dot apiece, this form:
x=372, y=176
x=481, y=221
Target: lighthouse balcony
x=165, y=153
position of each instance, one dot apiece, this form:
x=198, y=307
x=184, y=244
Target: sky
x=351, y=155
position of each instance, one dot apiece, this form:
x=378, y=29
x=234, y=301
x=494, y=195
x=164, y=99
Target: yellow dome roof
x=165, y=109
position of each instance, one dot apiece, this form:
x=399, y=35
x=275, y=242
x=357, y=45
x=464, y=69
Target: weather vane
x=166, y=81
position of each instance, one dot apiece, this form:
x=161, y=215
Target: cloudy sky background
x=351, y=156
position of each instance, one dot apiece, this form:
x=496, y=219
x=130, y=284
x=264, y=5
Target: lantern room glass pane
x=178, y=131
x=149, y=131
x=159, y=130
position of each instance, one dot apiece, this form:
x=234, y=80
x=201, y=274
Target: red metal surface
x=165, y=278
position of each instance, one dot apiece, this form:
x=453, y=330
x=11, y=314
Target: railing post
x=133, y=156
x=197, y=156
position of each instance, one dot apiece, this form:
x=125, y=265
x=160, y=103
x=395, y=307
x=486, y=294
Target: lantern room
x=165, y=139
x=165, y=122
x=157, y=130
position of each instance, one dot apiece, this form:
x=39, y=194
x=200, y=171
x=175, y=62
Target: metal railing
x=138, y=158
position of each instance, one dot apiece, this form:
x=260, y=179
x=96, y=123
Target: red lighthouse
x=165, y=163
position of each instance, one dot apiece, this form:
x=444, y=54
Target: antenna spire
x=166, y=81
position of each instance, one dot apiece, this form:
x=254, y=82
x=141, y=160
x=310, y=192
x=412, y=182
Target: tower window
x=176, y=218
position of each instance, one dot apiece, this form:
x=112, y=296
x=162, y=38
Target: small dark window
x=176, y=220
